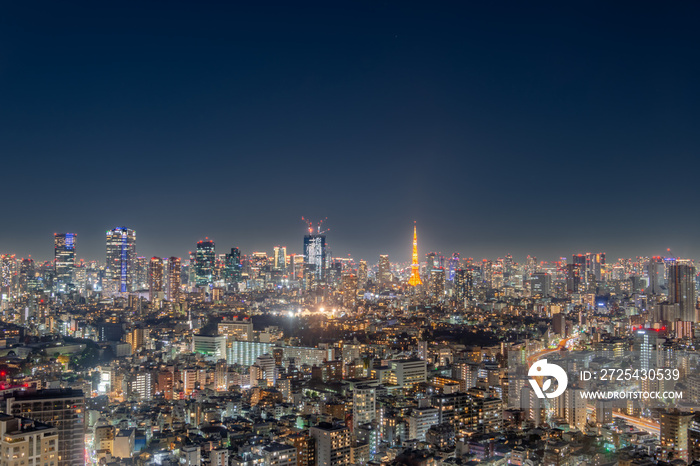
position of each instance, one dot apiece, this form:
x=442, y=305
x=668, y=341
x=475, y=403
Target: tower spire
x=415, y=267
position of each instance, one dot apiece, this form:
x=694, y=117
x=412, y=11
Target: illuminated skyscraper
x=8, y=265
x=315, y=256
x=121, y=258
x=362, y=273
x=205, y=258
x=681, y=289
x=280, y=258
x=656, y=272
x=174, y=280
x=155, y=281
x=232, y=267
x=141, y=273
x=384, y=273
x=64, y=259
x=463, y=285
x=415, y=266
x=540, y=284
x=437, y=283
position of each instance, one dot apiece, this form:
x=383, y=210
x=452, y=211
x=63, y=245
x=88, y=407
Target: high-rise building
x=280, y=260
x=121, y=256
x=362, y=273
x=204, y=262
x=463, y=285
x=232, y=267
x=437, y=283
x=174, y=279
x=64, y=259
x=674, y=435
x=62, y=409
x=141, y=273
x=155, y=278
x=349, y=283
x=364, y=404
x=656, y=273
x=315, y=256
x=415, y=279
x=573, y=278
x=333, y=444
x=540, y=284
x=681, y=289
x=384, y=272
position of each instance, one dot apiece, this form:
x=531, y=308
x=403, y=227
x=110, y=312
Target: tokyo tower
x=415, y=268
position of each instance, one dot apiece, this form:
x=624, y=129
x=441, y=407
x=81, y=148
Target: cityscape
x=349, y=233
x=292, y=356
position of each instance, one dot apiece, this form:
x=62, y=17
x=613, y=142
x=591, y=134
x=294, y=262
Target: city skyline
x=293, y=248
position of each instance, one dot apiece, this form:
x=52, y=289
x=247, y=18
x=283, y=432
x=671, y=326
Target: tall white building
x=364, y=404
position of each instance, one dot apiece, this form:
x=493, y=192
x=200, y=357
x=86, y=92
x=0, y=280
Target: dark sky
x=524, y=127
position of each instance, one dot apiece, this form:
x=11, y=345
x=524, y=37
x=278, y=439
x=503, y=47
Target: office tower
x=531, y=265
x=62, y=409
x=315, y=256
x=431, y=261
x=384, y=272
x=155, y=278
x=24, y=441
x=121, y=257
x=8, y=265
x=415, y=279
x=280, y=260
x=463, y=285
x=362, y=273
x=453, y=265
x=656, y=273
x=27, y=275
x=573, y=278
x=487, y=272
x=349, y=283
x=204, y=262
x=332, y=444
x=674, y=435
x=364, y=404
x=540, y=284
x=174, y=279
x=232, y=267
x=64, y=259
x=437, y=283
x=596, y=265
x=579, y=261
x=559, y=324
x=681, y=289
x=141, y=273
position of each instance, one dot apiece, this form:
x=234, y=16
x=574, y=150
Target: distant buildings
x=315, y=256
x=204, y=263
x=681, y=290
x=64, y=260
x=120, y=273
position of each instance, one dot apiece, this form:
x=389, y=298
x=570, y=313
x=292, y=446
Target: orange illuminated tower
x=415, y=268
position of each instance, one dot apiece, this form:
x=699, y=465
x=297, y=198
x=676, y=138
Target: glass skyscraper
x=121, y=257
x=64, y=259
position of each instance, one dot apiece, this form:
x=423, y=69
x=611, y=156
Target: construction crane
x=318, y=226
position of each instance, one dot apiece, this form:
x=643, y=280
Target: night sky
x=524, y=128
